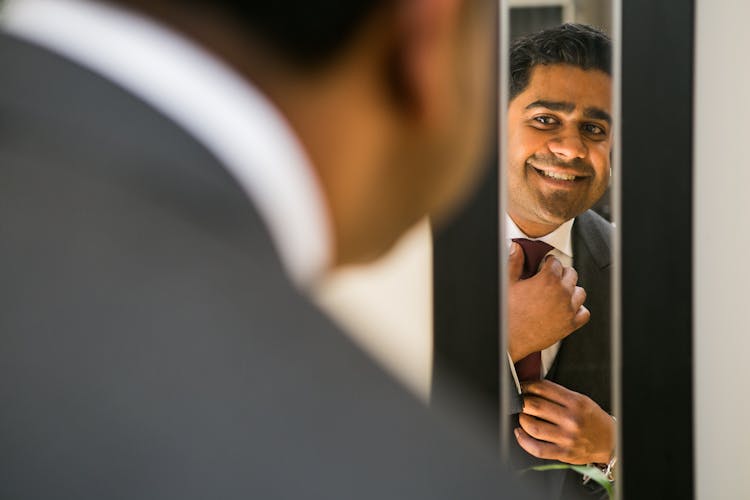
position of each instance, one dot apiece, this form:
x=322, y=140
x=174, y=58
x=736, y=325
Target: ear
x=424, y=59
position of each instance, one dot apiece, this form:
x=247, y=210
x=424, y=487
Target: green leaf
x=593, y=472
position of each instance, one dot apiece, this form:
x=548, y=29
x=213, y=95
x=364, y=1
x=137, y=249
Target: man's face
x=559, y=141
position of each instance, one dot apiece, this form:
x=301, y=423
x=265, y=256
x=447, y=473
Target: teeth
x=561, y=177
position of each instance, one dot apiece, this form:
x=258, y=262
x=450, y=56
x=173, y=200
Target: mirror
x=558, y=127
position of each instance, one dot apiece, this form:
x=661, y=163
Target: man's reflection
x=559, y=142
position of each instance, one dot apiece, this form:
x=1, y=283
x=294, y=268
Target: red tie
x=530, y=367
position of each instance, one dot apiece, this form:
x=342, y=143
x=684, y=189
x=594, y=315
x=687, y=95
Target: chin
x=556, y=218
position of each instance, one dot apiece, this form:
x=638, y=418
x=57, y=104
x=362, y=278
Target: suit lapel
x=583, y=362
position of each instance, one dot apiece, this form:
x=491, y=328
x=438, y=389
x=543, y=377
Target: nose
x=568, y=145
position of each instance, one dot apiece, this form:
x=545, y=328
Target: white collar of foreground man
x=206, y=97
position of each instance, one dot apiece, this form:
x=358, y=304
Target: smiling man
x=560, y=138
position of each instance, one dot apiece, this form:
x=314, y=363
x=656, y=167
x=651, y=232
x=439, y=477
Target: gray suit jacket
x=583, y=363
x=151, y=346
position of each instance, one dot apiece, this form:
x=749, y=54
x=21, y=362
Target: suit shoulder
x=595, y=233
x=591, y=221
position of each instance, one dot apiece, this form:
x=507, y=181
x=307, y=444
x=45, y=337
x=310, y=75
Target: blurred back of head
x=390, y=98
x=306, y=33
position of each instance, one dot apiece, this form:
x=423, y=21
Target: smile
x=555, y=175
x=558, y=176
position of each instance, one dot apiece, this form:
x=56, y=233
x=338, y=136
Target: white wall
x=722, y=249
x=386, y=307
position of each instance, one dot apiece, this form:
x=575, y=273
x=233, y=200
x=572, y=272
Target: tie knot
x=534, y=251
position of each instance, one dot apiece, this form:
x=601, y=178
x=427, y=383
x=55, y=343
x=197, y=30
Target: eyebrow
x=591, y=112
x=597, y=113
x=553, y=105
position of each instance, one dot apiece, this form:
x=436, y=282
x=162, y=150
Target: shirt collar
x=206, y=97
x=560, y=238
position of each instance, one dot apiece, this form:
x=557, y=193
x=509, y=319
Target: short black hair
x=571, y=43
x=304, y=32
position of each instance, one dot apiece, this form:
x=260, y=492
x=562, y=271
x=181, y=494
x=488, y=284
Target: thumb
x=515, y=262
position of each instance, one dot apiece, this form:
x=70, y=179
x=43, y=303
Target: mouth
x=558, y=177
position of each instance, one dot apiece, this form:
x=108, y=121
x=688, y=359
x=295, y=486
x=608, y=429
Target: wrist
x=608, y=469
x=608, y=431
x=602, y=458
x=607, y=466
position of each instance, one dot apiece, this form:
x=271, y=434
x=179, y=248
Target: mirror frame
x=653, y=317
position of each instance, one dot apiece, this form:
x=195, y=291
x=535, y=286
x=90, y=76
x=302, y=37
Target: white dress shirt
x=206, y=97
x=561, y=240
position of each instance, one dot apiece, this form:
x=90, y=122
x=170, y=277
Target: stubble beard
x=557, y=207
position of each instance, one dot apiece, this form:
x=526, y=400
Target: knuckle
x=530, y=403
x=535, y=448
x=571, y=422
x=548, y=277
x=574, y=399
x=573, y=275
x=569, y=456
x=523, y=420
x=532, y=428
x=567, y=442
x=582, y=402
x=555, y=267
x=575, y=320
x=536, y=428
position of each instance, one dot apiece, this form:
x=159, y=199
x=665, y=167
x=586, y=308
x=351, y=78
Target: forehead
x=564, y=83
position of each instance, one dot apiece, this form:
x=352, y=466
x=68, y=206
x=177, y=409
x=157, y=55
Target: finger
x=548, y=390
x=552, y=265
x=569, y=278
x=583, y=315
x=538, y=407
x=515, y=262
x=578, y=298
x=540, y=429
x=537, y=448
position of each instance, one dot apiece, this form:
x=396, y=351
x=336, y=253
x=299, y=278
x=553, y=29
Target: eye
x=545, y=120
x=594, y=129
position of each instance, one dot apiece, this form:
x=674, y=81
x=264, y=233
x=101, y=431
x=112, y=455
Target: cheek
x=602, y=170
x=601, y=163
x=521, y=146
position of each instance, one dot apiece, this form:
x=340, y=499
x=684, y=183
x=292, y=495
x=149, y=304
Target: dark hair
x=576, y=44
x=305, y=32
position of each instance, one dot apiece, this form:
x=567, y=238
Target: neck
x=533, y=229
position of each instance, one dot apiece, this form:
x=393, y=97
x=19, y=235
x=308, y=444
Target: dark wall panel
x=466, y=305
x=657, y=125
